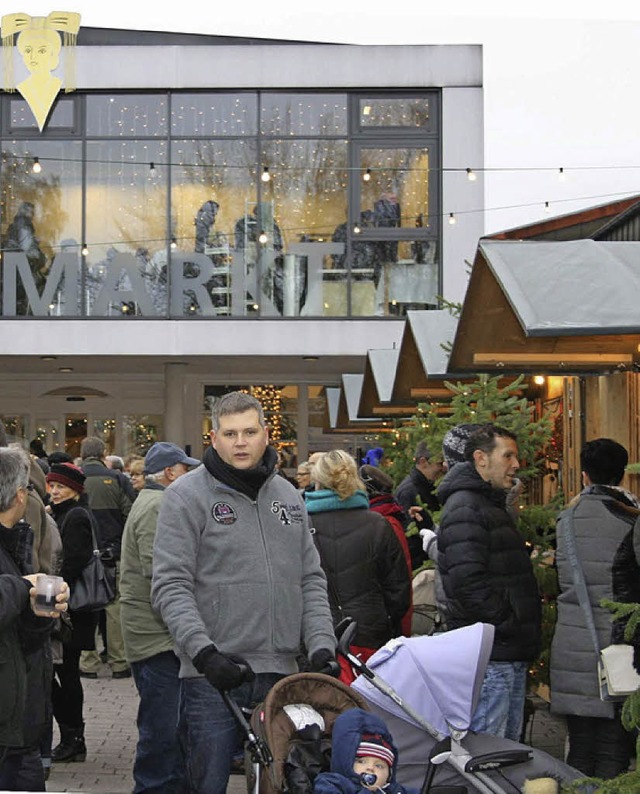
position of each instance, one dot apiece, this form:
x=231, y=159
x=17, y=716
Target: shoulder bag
x=617, y=677
x=95, y=588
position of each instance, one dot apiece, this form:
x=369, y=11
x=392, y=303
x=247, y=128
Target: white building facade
x=214, y=214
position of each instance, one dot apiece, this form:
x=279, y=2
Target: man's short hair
x=604, y=461
x=484, y=438
x=92, y=447
x=422, y=451
x=235, y=402
x=14, y=474
x=116, y=462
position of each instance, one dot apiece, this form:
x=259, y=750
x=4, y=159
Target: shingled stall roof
x=550, y=307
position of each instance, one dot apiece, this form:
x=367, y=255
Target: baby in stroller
x=363, y=757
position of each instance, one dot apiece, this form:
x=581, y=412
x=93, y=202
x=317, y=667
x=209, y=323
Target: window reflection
x=398, y=189
x=62, y=115
x=225, y=242
x=41, y=219
x=126, y=233
x=303, y=114
x=395, y=112
x=137, y=115
x=213, y=114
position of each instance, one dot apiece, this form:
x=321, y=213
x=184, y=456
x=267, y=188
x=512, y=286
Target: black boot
x=71, y=747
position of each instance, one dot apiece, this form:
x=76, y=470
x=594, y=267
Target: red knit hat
x=67, y=474
x=377, y=747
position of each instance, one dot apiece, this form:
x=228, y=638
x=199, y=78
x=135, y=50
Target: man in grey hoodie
x=238, y=582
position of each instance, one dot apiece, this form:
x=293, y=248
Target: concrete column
x=302, y=435
x=174, y=403
x=193, y=400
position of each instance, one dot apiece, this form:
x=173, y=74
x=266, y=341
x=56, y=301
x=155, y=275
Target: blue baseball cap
x=164, y=454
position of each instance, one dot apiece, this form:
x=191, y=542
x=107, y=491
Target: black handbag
x=95, y=588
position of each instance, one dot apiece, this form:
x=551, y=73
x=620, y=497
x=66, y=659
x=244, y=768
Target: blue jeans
x=500, y=709
x=209, y=734
x=159, y=765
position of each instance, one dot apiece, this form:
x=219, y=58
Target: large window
x=189, y=204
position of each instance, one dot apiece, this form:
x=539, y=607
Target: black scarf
x=247, y=481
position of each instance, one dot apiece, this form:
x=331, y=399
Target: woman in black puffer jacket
x=367, y=576
x=71, y=511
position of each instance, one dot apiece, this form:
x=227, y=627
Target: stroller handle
x=345, y=632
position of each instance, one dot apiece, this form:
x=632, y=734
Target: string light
x=36, y=167
x=356, y=229
x=85, y=250
x=471, y=175
x=263, y=239
x=152, y=169
x=174, y=243
x=266, y=176
x=452, y=219
x=561, y=175
x=366, y=177
x=547, y=208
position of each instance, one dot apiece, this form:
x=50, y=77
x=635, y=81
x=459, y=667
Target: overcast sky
x=560, y=79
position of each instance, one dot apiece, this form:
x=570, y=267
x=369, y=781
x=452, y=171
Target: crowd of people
x=229, y=576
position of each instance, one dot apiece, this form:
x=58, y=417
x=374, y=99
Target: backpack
x=426, y=615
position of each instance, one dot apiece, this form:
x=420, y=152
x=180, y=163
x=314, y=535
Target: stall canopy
x=377, y=386
x=550, y=306
x=424, y=355
x=348, y=400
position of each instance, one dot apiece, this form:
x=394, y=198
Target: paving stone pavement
x=111, y=735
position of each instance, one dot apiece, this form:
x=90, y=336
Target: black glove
x=324, y=661
x=223, y=671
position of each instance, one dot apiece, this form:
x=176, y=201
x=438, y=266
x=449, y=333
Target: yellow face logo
x=40, y=44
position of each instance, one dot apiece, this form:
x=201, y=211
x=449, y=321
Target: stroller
x=426, y=690
x=282, y=740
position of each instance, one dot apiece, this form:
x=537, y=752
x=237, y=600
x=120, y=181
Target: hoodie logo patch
x=288, y=514
x=224, y=513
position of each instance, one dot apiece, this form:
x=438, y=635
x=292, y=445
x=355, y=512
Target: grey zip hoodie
x=244, y=575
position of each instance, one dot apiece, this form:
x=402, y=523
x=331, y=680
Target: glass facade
x=247, y=204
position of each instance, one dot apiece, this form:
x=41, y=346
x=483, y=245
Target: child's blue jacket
x=347, y=734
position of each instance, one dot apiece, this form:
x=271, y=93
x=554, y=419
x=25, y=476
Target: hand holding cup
x=49, y=595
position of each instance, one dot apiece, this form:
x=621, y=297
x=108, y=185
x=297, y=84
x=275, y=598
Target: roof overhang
x=545, y=307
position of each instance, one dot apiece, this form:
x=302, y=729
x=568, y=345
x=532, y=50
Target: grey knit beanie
x=454, y=442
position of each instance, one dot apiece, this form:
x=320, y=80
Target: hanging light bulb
x=471, y=175
x=36, y=167
x=452, y=219
x=263, y=239
x=547, y=208
x=266, y=176
x=356, y=229
x=173, y=244
x=366, y=177
x=561, y=175
x=84, y=250
x=152, y=169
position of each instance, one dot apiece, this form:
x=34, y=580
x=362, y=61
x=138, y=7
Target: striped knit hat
x=375, y=746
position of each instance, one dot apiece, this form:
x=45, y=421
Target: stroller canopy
x=439, y=677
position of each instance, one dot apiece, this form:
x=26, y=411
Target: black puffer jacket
x=25, y=672
x=367, y=575
x=485, y=567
